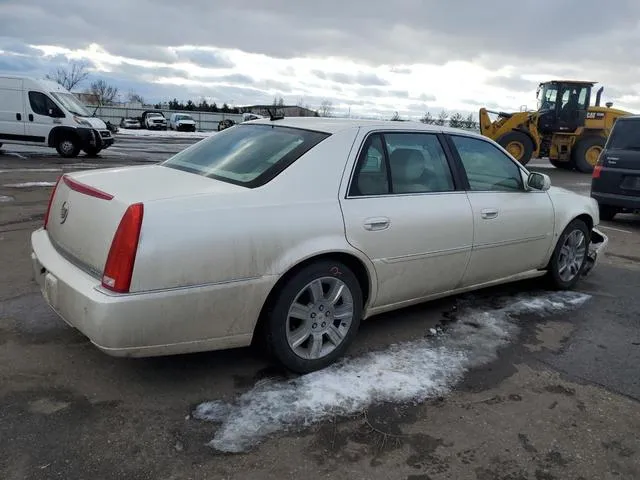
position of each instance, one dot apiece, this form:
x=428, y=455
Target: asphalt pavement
x=559, y=399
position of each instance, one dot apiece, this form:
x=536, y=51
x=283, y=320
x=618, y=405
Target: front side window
x=247, y=155
x=487, y=168
x=43, y=105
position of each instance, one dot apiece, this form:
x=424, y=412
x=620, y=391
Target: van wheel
x=314, y=317
x=92, y=151
x=569, y=256
x=68, y=147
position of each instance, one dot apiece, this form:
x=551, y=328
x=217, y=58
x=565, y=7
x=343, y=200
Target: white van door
x=42, y=115
x=12, y=128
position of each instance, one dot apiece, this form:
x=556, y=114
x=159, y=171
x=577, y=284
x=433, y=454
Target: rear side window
x=246, y=155
x=625, y=135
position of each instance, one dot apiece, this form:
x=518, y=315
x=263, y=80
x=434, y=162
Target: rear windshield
x=247, y=155
x=625, y=135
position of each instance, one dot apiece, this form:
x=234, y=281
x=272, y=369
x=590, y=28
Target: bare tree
x=104, y=93
x=70, y=77
x=134, y=97
x=442, y=118
x=326, y=108
x=470, y=122
x=395, y=117
x=427, y=118
x=456, y=120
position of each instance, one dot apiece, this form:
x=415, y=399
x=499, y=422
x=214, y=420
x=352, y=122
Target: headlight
x=81, y=121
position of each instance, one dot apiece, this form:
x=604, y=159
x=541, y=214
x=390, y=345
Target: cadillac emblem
x=64, y=212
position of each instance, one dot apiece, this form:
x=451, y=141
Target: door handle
x=378, y=223
x=489, y=213
x=31, y=117
x=18, y=117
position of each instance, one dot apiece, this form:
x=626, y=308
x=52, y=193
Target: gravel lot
x=552, y=395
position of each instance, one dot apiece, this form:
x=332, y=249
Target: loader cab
x=563, y=105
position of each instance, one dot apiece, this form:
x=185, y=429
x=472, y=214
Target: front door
x=404, y=210
x=513, y=227
x=42, y=115
x=572, y=104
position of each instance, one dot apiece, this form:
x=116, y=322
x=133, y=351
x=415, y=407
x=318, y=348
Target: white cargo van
x=41, y=112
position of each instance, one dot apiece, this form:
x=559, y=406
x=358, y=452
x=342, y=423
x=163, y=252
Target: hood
x=95, y=122
x=186, y=121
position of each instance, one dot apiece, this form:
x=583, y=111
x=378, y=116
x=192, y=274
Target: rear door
x=407, y=212
x=620, y=172
x=11, y=110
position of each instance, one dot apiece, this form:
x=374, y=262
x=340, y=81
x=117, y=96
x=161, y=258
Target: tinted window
x=41, y=104
x=248, y=155
x=418, y=163
x=625, y=135
x=371, y=177
x=487, y=168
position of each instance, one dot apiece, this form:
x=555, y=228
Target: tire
x=607, y=212
x=519, y=145
x=279, y=324
x=561, y=165
x=92, y=151
x=68, y=147
x=585, y=153
x=555, y=273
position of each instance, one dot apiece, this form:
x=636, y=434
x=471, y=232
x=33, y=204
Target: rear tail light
x=122, y=255
x=596, y=171
x=53, y=192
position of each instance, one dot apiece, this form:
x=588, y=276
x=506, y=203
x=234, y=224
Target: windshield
x=247, y=155
x=71, y=103
x=547, y=97
x=625, y=135
x=183, y=117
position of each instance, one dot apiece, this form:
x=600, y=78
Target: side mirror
x=538, y=181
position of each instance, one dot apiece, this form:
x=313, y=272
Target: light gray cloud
x=361, y=78
x=517, y=84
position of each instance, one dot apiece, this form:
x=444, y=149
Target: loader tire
x=585, y=153
x=519, y=145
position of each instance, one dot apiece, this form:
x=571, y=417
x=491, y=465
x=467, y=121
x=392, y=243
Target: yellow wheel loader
x=565, y=128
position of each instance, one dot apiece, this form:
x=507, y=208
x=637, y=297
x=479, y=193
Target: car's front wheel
x=315, y=316
x=570, y=255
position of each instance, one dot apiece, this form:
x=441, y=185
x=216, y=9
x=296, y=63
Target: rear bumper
x=615, y=200
x=597, y=248
x=176, y=321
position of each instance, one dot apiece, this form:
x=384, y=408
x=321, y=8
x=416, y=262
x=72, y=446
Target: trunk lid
x=87, y=207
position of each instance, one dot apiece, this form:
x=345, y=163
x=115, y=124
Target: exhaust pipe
x=598, y=95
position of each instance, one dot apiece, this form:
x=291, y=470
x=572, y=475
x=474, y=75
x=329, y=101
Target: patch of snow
x=406, y=372
x=29, y=184
x=163, y=133
x=4, y=198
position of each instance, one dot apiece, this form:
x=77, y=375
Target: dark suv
x=616, y=177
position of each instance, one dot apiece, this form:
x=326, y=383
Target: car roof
x=334, y=125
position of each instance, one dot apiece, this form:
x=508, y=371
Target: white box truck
x=43, y=113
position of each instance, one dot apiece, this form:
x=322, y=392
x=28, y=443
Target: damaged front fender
x=597, y=247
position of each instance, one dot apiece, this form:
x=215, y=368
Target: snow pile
x=31, y=170
x=406, y=372
x=4, y=198
x=30, y=184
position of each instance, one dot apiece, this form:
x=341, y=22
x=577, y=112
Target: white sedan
x=292, y=231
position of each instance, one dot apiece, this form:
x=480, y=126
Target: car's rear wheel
x=570, y=255
x=315, y=316
x=607, y=212
x=68, y=147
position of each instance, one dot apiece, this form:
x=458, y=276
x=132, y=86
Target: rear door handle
x=377, y=223
x=18, y=117
x=30, y=117
x=489, y=213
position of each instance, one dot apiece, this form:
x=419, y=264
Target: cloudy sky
x=370, y=56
